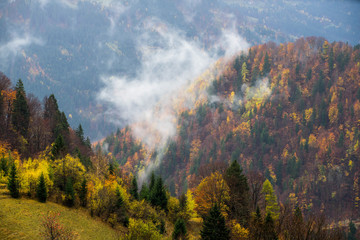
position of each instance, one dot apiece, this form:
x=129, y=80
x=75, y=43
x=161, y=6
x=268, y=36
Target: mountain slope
x=289, y=111
x=66, y=47
x=21, y=219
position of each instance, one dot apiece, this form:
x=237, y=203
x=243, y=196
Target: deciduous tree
x=271, y=203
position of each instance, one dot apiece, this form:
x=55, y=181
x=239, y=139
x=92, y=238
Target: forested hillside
x=266, y=147
x=70, y=47
x=288, y=113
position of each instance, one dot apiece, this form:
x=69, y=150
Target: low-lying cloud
x=15, y=45
x=169, y=63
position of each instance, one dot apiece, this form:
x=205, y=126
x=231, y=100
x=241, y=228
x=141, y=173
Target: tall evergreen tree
x=152, y=181
x=83, y=193
x=58, y=150
x=158, y=194
x=80, y=133
x=134, y=189
x=144, y=192
x=41, y=189
x=256, y=226
x=269, y=228
x=214, y=227
x=13, y=182
x=57, y=120
x=239, y=193
x=69, y=193
x=21, y=112
x=180, y=231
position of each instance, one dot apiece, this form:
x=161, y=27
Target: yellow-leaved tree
x=271, y=204
x=66, y=168
x=30, y=172
x=212, y=189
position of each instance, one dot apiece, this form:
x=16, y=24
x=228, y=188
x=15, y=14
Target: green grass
x=21, y=219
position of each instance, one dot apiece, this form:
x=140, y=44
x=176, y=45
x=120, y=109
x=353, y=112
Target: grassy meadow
x=21, y=219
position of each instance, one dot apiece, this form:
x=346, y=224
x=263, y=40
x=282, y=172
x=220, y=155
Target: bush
x=142, y=230
x=53, y=230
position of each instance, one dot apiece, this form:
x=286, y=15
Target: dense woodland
x=270, y=152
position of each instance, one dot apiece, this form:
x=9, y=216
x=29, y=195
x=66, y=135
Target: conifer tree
x=239, y=193
x=158, y=194
x=41, y=189
x=266, y=67
x=13, y=182
x=272, y=206
x=180, y=231
x=269, y=228
x=80, y=133
x=21, y=112
x=214, y=227
x=144, y=192
x=58, y=149
x=83, y=193
x=69, y=193
x=134, y=188
x=152, y=181
x=256, y=226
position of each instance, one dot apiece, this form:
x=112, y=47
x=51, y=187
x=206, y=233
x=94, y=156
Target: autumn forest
x=266, y=146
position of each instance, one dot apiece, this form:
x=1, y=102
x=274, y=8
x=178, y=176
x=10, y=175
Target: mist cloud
x=15, y=45
x=169, y=64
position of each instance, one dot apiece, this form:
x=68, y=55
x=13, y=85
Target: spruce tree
x=214, y=227
x=269, y=228
x=21, y=113
x=144, y=192
x=80, y=133
x=180, y=231
x=256, y=226
x=69, y=193
x=58, y=150
x=134, y=188
x=41, y=189
x=158, y=194
x=152, y=181
x=239, y=197
x=13, y=182
x=83, y=193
